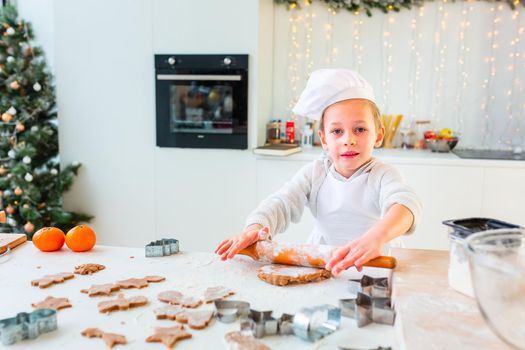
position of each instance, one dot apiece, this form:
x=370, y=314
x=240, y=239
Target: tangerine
x=81, y=238
x=49, y=239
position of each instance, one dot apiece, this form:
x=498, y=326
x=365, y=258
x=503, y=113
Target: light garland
x=329, y=39
x=386, y=64
x=294, y=58
x=441, y=17
x=358, y=47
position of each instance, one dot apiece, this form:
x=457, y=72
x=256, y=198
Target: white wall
x=103, y=58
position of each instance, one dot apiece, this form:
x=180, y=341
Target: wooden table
x=431, y=315
x=188, y=272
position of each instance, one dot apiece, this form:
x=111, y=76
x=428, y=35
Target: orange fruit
x=81, y=238
x=49, y=239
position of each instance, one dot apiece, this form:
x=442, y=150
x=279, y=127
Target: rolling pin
x=303, y=254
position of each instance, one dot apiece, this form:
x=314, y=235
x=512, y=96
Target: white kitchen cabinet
x=504, y=194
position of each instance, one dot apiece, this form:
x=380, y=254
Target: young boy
x=358, y=203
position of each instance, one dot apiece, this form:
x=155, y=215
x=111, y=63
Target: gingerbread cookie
x=110, y=339
x=101, y=289
x=88, y=269
x=177, y=298
x=238, y=341
x=121, y=303
x=196, y=319
x=48, y=280
x=168, y=312
x=52, y=303
x=282, y=275
x=139, y=282
x=168, y=335
x=216, y=293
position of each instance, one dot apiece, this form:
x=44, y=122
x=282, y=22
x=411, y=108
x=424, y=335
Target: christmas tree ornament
x=26, y=160
x=10, y=59
x=11, y=154
x=7, y=117
x=10, y=31
x=20, y=127
x=14, y=85
x=9, y=209
x=12, y=110
x=8, y=193
x=29, y=51
x=12, y=140
x=41, y=205
x=3, y=171
x=53, y=171
x=29, y=227
x=28, y=177
x=37, y=86
x=26, y=206
x=34, y=128
x=18, y=191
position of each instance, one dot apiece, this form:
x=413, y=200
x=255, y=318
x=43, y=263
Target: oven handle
x=199, y=77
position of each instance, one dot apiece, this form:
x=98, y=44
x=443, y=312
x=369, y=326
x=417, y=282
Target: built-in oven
x=202, y=101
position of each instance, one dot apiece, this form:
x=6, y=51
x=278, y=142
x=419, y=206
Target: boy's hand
x=231, y=246
x=356, y=253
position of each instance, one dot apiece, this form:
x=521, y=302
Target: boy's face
x=350, y=135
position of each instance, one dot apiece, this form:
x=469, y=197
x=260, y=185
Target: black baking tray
x=462, y=228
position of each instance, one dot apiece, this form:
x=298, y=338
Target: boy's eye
x=337, y=131
x=360, y=130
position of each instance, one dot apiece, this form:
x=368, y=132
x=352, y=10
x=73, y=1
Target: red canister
x=290, y=131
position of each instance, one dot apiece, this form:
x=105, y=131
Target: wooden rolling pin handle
x=386, y=262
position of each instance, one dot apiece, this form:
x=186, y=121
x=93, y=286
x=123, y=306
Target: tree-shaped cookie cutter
x=262, y=323
x=314, y=323
x=162, y=247
x=27, y=325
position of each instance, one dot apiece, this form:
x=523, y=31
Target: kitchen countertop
x=431, y=315
x=408, y=156
x=188, y=272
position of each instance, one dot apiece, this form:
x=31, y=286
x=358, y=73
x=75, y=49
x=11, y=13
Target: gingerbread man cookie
x=52, y=303
x=216, y=293
x=88, y=269
x=111, y=339
x=282, y=275
x=168, y=335
x=196, y=319
x=139, y=282
x=121, y=303
x=48, y=280
x=168, y=312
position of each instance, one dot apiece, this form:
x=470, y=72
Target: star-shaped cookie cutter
x=229, y=310
x=374, y=287
x=162, y=247
x=27, y=325
x=314, y=323
x=366, y=309
x=262, y=323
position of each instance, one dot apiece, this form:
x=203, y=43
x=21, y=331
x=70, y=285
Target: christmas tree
x=31, y=180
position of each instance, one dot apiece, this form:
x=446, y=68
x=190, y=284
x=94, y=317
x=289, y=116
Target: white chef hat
x=328, y=86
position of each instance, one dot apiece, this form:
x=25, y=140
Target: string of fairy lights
x=448, y=92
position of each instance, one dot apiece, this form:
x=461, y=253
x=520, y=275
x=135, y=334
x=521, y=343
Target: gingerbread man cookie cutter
x=27, y=325
x=162, y=247
x=229, y=310
x=366, y=309
x=314, y=323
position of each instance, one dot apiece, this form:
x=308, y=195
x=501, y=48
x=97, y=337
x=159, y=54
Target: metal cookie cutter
x=162, y=247
x=374, y=287
x=27, y=325
x=260, y=323
x=316, y=322
x=366, y=309
x=229, y=310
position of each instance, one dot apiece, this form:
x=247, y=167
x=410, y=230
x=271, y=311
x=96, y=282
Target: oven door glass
x=202, y=103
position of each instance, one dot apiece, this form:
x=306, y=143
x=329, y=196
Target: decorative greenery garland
x=386, y=6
